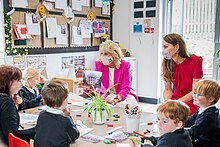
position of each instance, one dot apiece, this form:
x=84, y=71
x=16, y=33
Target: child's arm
x=202, y=125
x=72, y=131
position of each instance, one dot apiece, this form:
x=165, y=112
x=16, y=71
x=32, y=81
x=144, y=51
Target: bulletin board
x=41, y=44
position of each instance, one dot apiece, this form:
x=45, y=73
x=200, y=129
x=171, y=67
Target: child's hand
x=17, y=99
x=66, y=111
x=132, y=142
x=148, y=142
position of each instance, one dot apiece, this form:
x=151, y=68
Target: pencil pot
x=132, y=122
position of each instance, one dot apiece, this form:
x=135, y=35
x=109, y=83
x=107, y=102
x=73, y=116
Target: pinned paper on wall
x=60, y=4
x=19, y=61
x=66, y=61
x=148, y=28
x=19, y=3
x=33, y=24
x=86, y=27
x=48, y=5
x=61, y=35
x=98, y=3
x=77, y=35
x=85, y=2
x=36, y=62
x=77, y=5
x=21, y=32
x=138, y=26
x=106, y=7
x=98, y=27
x=51, y=27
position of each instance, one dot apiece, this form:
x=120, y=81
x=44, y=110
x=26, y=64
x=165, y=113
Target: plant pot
x=98, y=119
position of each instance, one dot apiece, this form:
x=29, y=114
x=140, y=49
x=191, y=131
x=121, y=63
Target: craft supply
x=138, y=142
x=139, y=134
x=114, y=129
x=106, y=141
x=117, y=116
x=150, y=123
x=110, y=125
x=115, y=119
x=39, y=109
x=78, y=115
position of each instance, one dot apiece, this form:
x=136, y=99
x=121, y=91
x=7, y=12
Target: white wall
x=1, y=33
x=145, y=47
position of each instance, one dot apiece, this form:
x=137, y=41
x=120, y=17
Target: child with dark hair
x=10, y=79
x=56, y=118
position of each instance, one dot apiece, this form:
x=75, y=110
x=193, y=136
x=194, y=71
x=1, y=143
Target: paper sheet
x=106, y=7
x=77, y=5
x=33, y=24
x=86, y=26
x=27, y=118
x=61, y=35
x=77, y=35
x=51, y=27
x=77, y=100
x=85, y=2
x=19, y=3
x=98, y=3
x=60, y=4
x=123, y=145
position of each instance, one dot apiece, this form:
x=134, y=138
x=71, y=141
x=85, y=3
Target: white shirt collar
x=31, y=90
x=54, y=111
x=203, y=109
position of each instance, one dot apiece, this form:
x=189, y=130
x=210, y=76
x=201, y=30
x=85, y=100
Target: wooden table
x=101, y=130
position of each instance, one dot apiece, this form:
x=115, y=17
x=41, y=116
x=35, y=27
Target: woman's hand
x=113, y=102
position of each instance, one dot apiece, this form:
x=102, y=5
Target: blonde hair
x=175, y=110
x=55, y=92
x=30, y=73
x=209, y=88
x=112, y=48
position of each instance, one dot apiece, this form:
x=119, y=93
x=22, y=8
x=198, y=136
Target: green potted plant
x=99, y=109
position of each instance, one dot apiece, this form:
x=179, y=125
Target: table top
x=101, y=130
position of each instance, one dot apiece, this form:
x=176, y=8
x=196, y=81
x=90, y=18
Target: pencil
x=135, y=132
x=21, y=127
x=138, y=142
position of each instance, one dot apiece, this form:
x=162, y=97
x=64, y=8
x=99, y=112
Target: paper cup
x=132, y=122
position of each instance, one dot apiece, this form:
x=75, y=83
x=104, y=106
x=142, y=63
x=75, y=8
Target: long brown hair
x=168, y=66
x=8, y=74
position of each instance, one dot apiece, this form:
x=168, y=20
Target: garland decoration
x=8, y=39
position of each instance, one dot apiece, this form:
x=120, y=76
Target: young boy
x=54, y=126
x=171, y=117
x=205, y=123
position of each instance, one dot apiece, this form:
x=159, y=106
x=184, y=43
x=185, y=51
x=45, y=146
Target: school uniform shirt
x=9, y=121
x=177, y=138
x=183, y=75
x=204, y=127
x=55, y=129
x=30, y=98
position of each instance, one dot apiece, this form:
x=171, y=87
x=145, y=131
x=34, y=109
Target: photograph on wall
x=19, y=61
x=37, y=62
x=137, y=26
x=92, y=78
x=21, y=32
x=79, y=64
x=148, y=28
x=66, y=61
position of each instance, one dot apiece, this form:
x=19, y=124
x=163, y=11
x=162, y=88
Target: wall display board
x=59, y=26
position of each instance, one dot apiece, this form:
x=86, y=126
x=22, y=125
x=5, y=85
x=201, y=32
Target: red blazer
x=122, y=79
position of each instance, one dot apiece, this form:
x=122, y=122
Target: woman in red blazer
x=115, y=74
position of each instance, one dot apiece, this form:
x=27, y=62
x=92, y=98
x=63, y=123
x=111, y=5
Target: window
x=195, y=21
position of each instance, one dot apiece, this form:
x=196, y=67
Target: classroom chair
x=14, y=141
